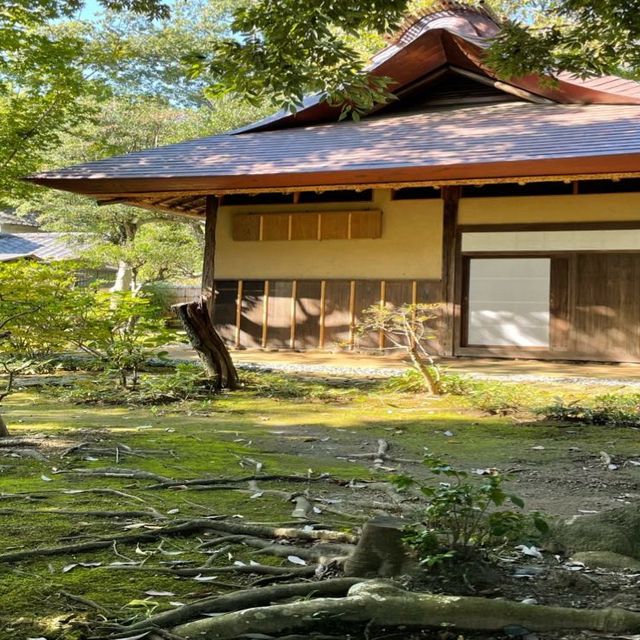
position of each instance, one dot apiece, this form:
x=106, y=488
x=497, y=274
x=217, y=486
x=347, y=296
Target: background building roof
x=38, y=246
x=8, y=216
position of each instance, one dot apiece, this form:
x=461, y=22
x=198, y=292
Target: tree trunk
x=197, y=317
x=4, y=431
x=431, y=382
x=205, y=340
x=124, y=278
x=380, y=552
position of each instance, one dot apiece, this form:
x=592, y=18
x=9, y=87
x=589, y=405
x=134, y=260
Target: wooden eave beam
x=152, y=206
x=140, y=191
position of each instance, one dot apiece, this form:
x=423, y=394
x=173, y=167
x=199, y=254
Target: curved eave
x=545, y=169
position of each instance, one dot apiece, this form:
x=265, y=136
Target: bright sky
x=91, y=7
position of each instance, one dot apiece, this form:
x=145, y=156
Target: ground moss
x=288, y=435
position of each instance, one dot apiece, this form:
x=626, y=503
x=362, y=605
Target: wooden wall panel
x=279, y=314
x=246, y=227
x=304, y=226
x=324, y=225
x=560, y=329
x=308, y=314
x=397, y=293
x=367, y=294
x=337, y=317
x=252, y=312
x=225, y=309
x=334, y=226
x=275, y=226
x=366, y=224
x=607, y=306
x=323, y=311
x=430, y=292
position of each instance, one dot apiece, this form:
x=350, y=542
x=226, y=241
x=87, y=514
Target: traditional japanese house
x=513, y=203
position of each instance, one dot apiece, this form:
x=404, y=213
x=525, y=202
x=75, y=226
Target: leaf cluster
x=464, y=516
x=610, y=409
x=282, y=50
x=585, y=38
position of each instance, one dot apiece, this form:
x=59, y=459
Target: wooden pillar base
x=205, y=340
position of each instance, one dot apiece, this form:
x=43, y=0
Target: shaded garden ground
x=276, y=426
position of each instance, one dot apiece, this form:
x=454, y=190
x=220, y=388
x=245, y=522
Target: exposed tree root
x=184, y=528
x=307, y=553
x=34, y=454
x=383, y=604
x=86, y=602
x=263, y=531
x=251, y=569
x=115, y=472
x=171, y=484
x=245, y=599
x=17, y=442
x=151, y=513
x=381, y=456
x=41, y=495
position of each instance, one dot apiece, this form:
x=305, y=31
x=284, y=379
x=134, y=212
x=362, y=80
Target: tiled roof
x=41, y=246
x=9, y=217
x=433, y=140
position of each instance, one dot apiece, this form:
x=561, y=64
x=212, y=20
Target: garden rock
x=607, y=560
x=616, y=531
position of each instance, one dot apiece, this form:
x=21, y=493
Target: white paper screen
x=509, y=302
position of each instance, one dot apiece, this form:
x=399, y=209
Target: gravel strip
x=387, y=372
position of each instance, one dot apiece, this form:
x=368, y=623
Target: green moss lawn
x=283, y=427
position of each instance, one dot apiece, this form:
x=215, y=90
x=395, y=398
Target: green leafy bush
x=187, y=382
x=463, y=517
x=610, y=409
x=490, y=396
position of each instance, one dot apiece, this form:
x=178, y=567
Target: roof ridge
x=440, y=9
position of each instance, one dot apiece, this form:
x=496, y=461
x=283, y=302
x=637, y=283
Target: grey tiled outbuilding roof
x=7, y=216
x=39, y=246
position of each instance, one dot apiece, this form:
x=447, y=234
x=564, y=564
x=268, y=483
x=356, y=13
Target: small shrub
x=491, y=396
x=501, y=399
x=609, y=409
x=408, y=327
x=463, y=517
x=187, y=382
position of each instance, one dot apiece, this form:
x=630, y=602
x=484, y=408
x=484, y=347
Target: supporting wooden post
x=239, y=313
x=450, y=199
x=209, y=266
x=383, y=302
x=197, y=317
x=294, y=308
x=352, y=315
x=323, y=302
x=265, y=316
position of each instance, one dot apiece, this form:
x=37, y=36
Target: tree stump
x=213, y=353
x=380, y=551
x=4, y=431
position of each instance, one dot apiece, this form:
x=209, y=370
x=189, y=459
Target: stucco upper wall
x=410, y=246
x=606, y=207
